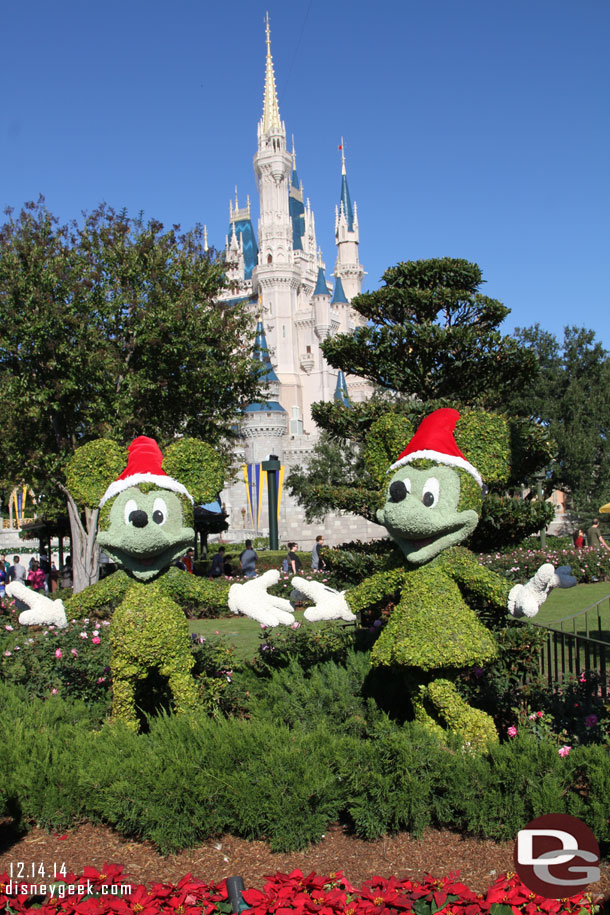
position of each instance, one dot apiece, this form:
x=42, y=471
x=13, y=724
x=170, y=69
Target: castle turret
x=347, y=235
x=264, y=423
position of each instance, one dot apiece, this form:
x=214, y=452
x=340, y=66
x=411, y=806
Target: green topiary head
x=433, y=500
x=147, y=510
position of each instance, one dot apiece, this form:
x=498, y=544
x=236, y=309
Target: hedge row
x=191, y=778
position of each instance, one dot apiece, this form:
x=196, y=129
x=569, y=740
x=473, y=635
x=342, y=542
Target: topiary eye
x=159, y=514
x=430, y=493
x=399, y=490
x=130, y=506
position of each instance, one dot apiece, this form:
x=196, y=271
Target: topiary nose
x=138, y=518
x=398, y=491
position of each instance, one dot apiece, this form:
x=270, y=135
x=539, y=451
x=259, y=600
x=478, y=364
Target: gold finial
x=342, y=148
x=236, y=203
x=260, y=306
x=268, y=34
x=205, y=238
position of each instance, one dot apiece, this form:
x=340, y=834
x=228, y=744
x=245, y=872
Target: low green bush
x=191, y=778
x=306, y=646
x=327, y=695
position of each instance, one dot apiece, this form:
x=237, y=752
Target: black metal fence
x=566, y=654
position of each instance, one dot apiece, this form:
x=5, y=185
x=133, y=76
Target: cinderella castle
x=279, y=271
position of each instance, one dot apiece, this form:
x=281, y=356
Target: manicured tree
x=433, y=340
x=111, y=328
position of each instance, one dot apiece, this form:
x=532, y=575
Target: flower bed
x=110, y=892
x=588, y=564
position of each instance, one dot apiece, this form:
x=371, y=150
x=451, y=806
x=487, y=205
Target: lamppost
x=272, y=466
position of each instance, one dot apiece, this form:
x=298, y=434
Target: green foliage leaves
x=433, y=335
x=111, y=329
x=197, y=466
x=91, y=470
x=484, y=440
x=386, y=439
x=570, y=396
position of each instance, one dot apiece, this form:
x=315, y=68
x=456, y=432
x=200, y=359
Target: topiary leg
x=123, y=704
x=440, y=707
x=181, y=682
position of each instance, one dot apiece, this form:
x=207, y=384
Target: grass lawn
x=564, y=602
x=242, y=632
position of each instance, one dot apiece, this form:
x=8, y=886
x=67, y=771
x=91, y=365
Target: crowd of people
x=225, y=564
x=40, y=574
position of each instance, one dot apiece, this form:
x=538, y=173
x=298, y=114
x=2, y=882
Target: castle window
x=283, y=330
x=269, y=259
x=308, y=350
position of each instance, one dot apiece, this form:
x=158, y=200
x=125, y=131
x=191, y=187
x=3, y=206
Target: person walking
x=317, y=563
x=218, y=563
x=294, y=563
x=594, y=536
x=36, y=577
x=17, y=572
x=247, y=560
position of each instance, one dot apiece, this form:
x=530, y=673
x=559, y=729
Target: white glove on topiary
x=329, y=604
x=526, y=600
x=252, y=600
x=41, y=610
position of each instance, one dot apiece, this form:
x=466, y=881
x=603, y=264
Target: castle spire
x=346, y=201
x=271, y=109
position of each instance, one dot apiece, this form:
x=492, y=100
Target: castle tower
x=283, y=278
x=347, y=235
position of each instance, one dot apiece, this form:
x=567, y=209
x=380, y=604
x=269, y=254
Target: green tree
x=570, y=396
x=431, y=339
x=109, y=328
x=432, y=334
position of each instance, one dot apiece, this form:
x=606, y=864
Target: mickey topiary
x=145, y=524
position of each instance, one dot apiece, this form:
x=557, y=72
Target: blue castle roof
x=339, y=293
x=321, y=287
x=243, y=229
x=346, y=200
x=261, y=355
x=341, y=395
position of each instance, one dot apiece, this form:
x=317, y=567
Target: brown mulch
x=439, y=853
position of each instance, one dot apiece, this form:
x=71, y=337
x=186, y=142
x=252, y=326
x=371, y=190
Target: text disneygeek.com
x=60, y=890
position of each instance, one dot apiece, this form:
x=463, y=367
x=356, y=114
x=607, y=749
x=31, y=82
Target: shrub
x=328, y=695
x=305, y=646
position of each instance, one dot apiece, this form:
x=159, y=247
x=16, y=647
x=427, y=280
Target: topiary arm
x=100, y=599
x=375, y=589
x=194, y=594
x=475, y=579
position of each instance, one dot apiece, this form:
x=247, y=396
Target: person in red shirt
x=188, y=560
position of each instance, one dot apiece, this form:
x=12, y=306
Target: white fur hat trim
x=451, y=460
x=163, y=482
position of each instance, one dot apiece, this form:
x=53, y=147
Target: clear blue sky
x=475, y=129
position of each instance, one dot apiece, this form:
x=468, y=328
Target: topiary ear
x=197, y=466
x=484, y=439
x=91, y=470
x=386, y=439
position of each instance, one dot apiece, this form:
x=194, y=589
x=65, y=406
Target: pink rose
x=96, y=640
x=75, y=652
x=564, y=751
x=58, y=653
x=512, y=731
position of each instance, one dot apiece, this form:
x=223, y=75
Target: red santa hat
x=434, y=440
x=144, y=466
